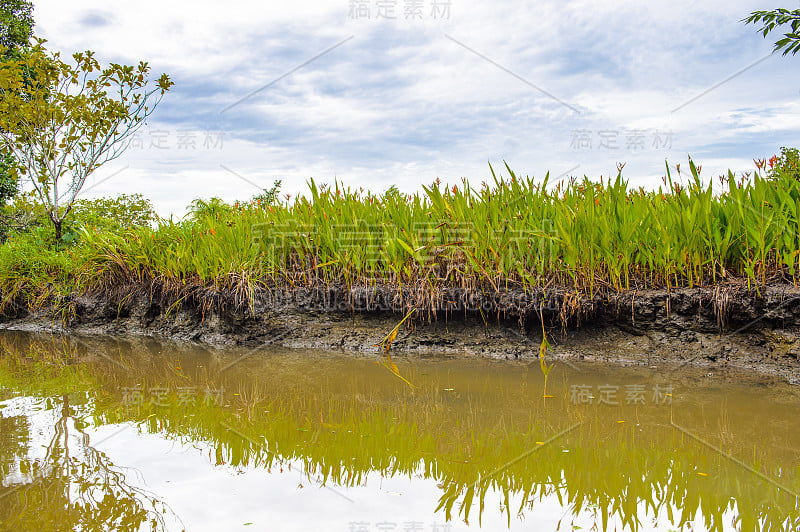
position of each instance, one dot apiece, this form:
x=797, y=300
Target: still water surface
x=139, y=435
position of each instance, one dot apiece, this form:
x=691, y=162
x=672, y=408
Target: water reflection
x=70, y=485
x=474, y=443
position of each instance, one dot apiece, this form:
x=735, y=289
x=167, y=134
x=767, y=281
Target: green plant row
x=580, y=234
x=511, y=233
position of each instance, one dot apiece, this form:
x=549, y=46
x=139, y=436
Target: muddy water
x=138, y=435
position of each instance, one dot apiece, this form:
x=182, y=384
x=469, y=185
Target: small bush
x=788, y=164
x=26, y=218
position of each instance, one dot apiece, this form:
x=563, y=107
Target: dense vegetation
x=581, y=236
x=16, y=28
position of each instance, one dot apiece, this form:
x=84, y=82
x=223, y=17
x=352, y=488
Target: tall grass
x=513, y=233
x=516, y=231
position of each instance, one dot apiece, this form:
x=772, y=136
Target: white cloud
x=402, y=104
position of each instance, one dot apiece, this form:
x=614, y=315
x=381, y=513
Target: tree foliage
x=70, y=119
x=788, y=163
x=8, y=182
x=16, y=29
x=16, y=24
x=26, y=218
x=790, y=42
x=270, y=195
x=115, y=214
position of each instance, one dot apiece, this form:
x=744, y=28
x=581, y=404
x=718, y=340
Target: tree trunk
x=57, y=226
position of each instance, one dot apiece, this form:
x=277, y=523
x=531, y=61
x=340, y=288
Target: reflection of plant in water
x=614, y=469
x=33, y=368
x=542, y=362
x=78, y=488
x=74, y=486
x=386, y=344
x=341, y=420
x=14, y=442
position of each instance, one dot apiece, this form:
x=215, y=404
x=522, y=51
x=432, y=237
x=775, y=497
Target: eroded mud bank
x=725, y=327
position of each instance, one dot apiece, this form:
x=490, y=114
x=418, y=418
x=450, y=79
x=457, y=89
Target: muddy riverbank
x=719, y=328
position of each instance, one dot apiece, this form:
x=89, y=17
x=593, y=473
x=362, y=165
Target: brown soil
x=718, y=328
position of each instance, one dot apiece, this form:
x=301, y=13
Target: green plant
x=517, y=235
x=62, y=121
x=681, y=235
x=788, y=163
x=16, y=28
x=21, y=215
x=25, y=217
x=114, y=214
x=790, y=43
x=16, y=25
x=269, y=196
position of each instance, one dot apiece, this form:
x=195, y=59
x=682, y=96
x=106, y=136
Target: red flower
x=773, y=161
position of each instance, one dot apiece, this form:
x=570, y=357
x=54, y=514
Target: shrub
x=788, y=164
x=27, y=218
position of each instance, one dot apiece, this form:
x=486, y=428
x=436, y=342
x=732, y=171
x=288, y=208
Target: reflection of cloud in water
x=57, y=478
x=219, y=498
x=393, y=455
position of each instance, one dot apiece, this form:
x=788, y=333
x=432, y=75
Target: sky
x=377, y=93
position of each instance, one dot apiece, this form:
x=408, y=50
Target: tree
x=70, y=119
x=16, y=24
x=790, y=43
x=8, y=181
x=787, y=164
x=269, y=196
x=16, y=29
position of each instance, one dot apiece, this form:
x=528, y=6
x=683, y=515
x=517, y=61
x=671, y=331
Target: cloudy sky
x=340, y=90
